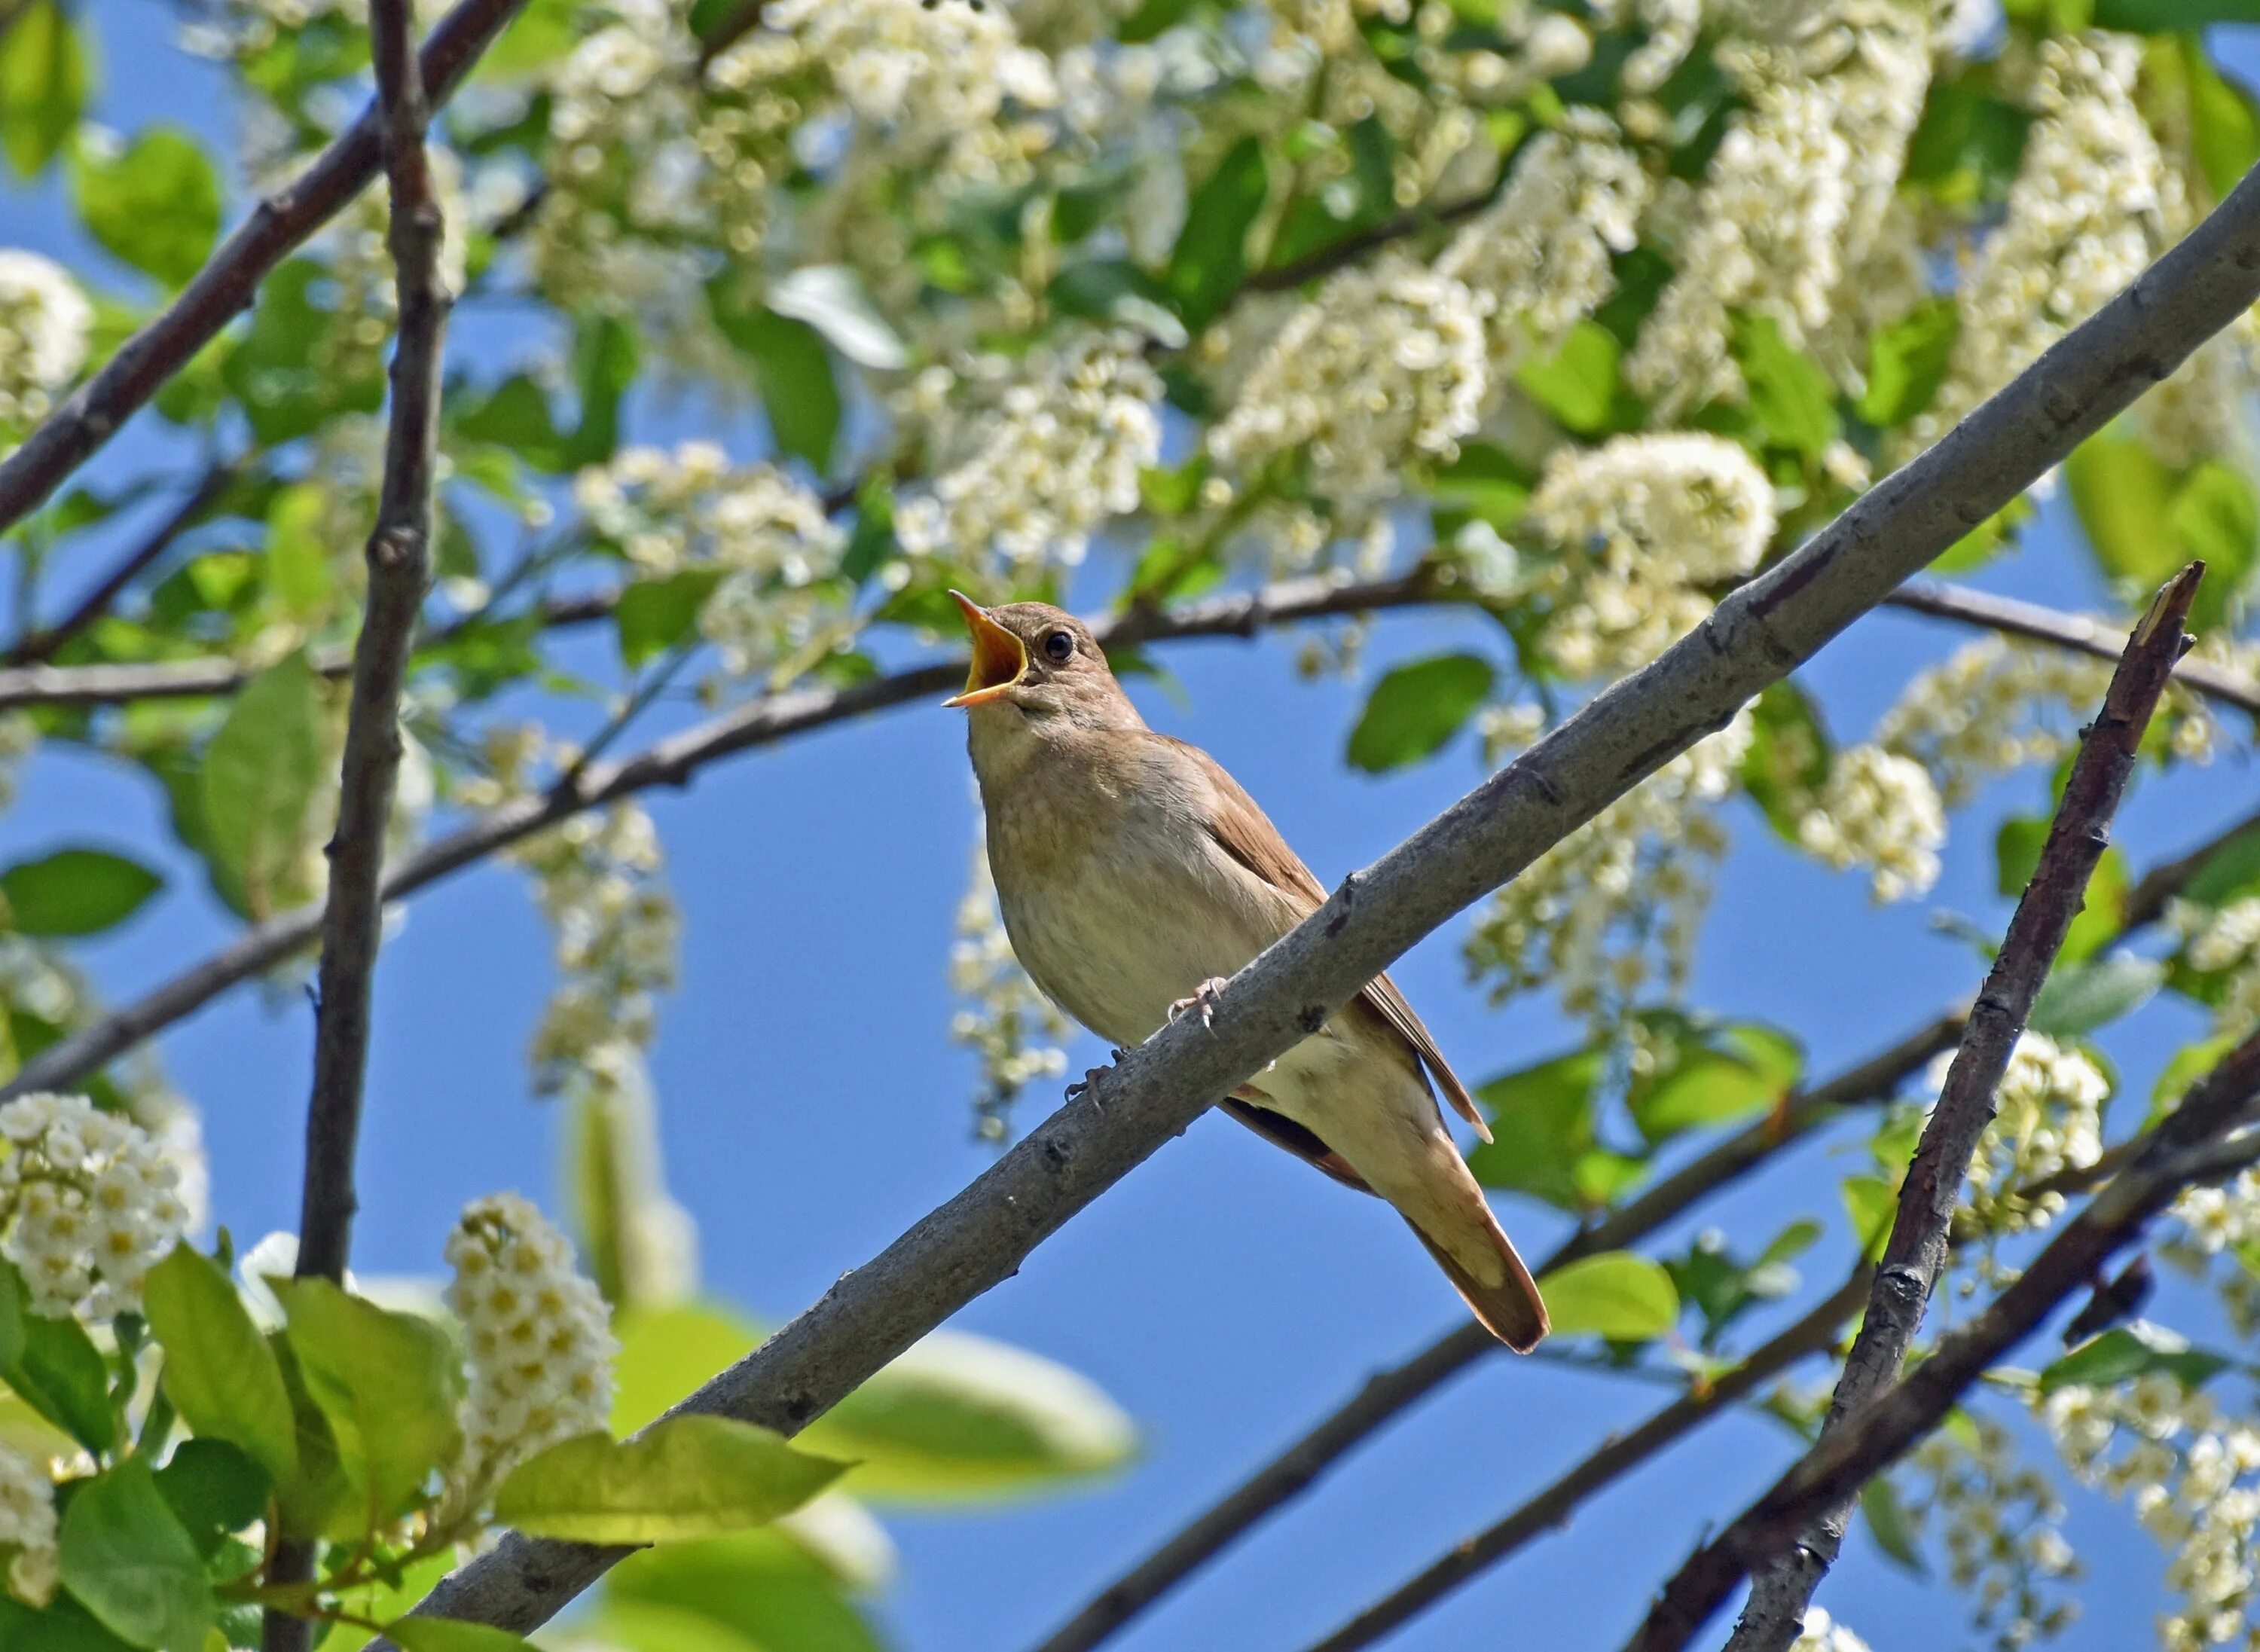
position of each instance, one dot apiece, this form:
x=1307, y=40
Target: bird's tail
x=1508, y=1305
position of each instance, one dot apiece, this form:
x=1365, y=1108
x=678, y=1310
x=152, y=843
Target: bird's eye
x=1058, y=647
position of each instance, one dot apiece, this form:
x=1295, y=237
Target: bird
x=1134, y=874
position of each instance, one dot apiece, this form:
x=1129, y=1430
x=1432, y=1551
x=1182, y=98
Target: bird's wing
x=1246, y=833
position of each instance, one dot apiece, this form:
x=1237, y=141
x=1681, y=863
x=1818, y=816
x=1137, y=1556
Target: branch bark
x=1916, y=1251
x=398, y=559
x=1756, y=636
x=2185, y=1149
x=226, y=283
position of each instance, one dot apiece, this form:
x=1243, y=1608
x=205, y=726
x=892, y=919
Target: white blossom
x=2048, y=1118
x=537, y=1334
x=28, y=1529
x=44, y=323
x=1014, y=1028
x=1880, y=810
x=88, y=1204
x=1820, y=1633
x=1056, y=453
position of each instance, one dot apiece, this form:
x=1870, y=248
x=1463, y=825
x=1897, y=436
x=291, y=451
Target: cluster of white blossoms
x=1615, y=906
x=2224, y=941
x=28, y=1529
x=1991, y=708
x=89, y=1204
x=1641, y=523
x=1820, y=1633
x=1387, y=365
x=1542, y=256
x=2089, y=209
x=1012, y=1027
x=2048, y=1118
x=1031, y=457
x=44, y=323
x=766, y=534
x=537, y=1334
x=2001, y=1522
x=2192, y=1474
x=1880, y=810
x=931, y=75
x=1670, y=26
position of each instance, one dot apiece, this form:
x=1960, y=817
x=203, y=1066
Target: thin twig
x=2184, y=1150
x=1755, y=637
x=1813, y=1333
x=91, y=414
x=399, y=558
x=42, y=642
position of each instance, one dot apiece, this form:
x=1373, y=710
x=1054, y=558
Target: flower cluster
x=537, y=1337
x=1880, y=810
x=1616, y=905
x=2048, y=1118
x=1543, y=254
x=2193, y=1475
x=1012, y=1027
x=1640, y=522
x=2088, y=209
x=28, y=1529
x=766, y=534
x=1991, y=708
x=2224, y=942
x=88, y=1204
x=1821, y=1633
x=44, y=323
x=1050, y=448
x=2002, y=1522
x=1387, y=364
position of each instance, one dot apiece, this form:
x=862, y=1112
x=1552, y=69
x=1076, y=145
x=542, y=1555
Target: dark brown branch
x=1915, y=1254
x=1756, y=636
x=2184, y=1150
x=1816, y=1331
x=1388, y=1394
x=226, y=283
x=41, y=643
x=398, y=557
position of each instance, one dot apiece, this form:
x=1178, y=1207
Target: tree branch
x=41, y=643
x=1755, y=637
x=2185, y=1149
x=399, y=560
x=90, y=415
x=1915, y=1254
x=1815, y=1333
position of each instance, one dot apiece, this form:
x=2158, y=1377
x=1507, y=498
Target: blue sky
x=813, y=1108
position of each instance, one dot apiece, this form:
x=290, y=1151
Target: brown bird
x=1134, y=873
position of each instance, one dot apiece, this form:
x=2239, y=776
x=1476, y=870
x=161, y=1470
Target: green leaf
x=2017, y=852
x=219, y=1372
x=2224, y=122
x=1578, y=383
x=1787, y=762
x=1746, y=1068
x=261, y=774
x=1891, y=1525
x=2101, y=920
x=2230, y=873
x=2127, y=1351
x=771, y=1587
x=682, y=1477
x=1873, y=1206
x=2167, y=17
x=2124, y=495
x=656, y=614
x=604, y=356
x=1907, y=362
x=1543, y=1139
x=452, y=1634
x=45, y=81
x=1484, y=483
x=1153, y=19
x=960, y=1417
x=1794, y=401
x=388, y=1384
x=2079, y=997
x=1968, y=144
x=299, y=582
x=1209, y=259
x=1617, y=1295
x=64, y=1626
x=75, y=892
x=792, y=367
x=131, y=1563
x=1415, y=708
x=287, y=384
x=56, y=1368
x=832, y=299
x=213, y=1489
x=2215, y=519
x=156, y=204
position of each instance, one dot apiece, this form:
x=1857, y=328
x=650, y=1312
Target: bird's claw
x=1088, y=1084
x=1204, y=999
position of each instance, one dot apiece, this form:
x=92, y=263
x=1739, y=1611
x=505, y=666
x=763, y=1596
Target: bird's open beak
x=999, y=656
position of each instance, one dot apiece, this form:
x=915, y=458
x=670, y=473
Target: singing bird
x=1134, y=873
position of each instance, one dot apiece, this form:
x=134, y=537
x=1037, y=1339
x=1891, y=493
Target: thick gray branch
x=1916, y=1251
x=1756, y=636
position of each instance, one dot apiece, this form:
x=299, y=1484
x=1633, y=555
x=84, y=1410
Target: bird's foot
x=1088, y=1084
x=1204, y=999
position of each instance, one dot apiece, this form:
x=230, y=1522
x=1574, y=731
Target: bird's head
x=1033, y=662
